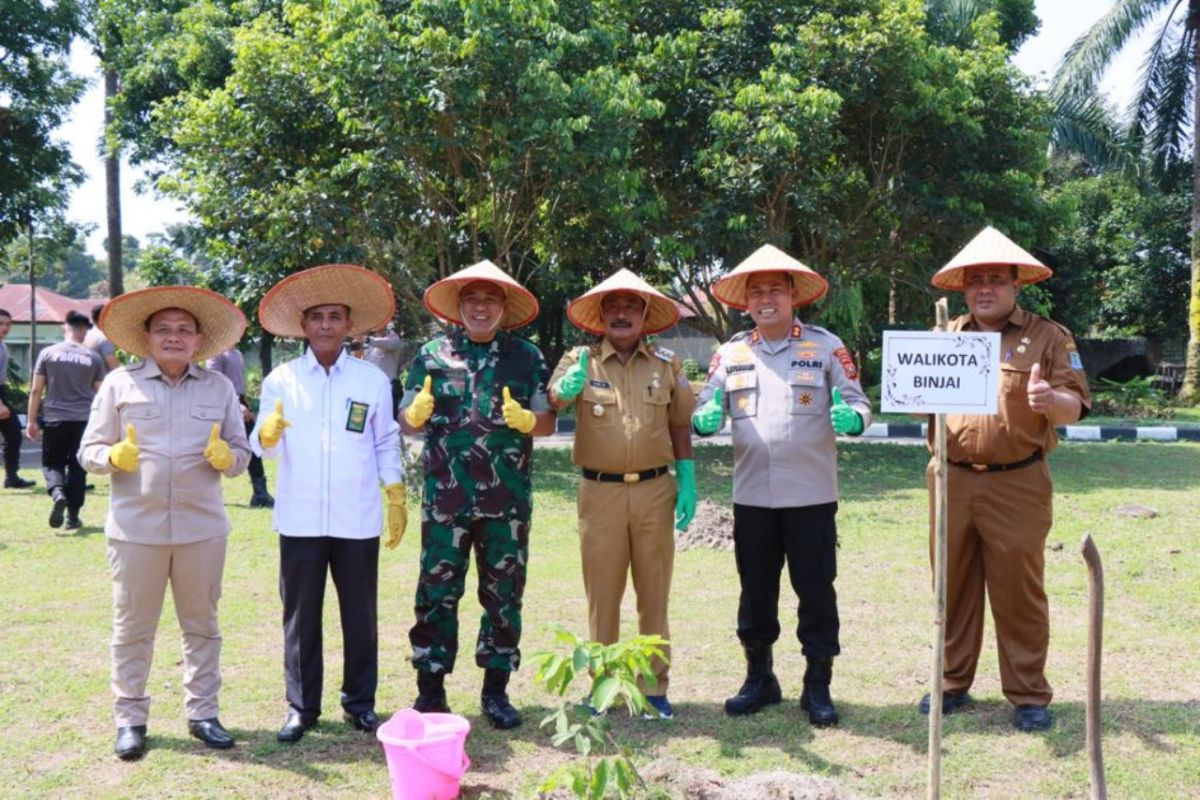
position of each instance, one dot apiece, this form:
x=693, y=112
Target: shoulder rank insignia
x=797, y=332
x=664, y=353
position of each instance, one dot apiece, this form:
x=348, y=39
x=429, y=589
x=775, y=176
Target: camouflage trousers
x=501, y=553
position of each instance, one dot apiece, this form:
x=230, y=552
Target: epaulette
x=665, y=354
x=812, y=329
x=740, y=336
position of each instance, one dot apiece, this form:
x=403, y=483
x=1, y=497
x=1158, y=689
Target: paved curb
x=1070, y=433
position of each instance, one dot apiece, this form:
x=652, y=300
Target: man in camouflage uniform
x=478, y=394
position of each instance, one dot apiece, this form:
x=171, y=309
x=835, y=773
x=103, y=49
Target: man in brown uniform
x=633, y=408
x=999, y=488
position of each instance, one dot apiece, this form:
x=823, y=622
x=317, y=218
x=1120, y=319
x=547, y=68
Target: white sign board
x=930, y=372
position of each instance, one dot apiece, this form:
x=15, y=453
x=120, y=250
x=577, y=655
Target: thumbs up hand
x=124, y=454
x=217, y=453
x=1039, y=391
x=707, y=418
x=422, y=405
x=571, y=383
x=516, y=417
x=846, y=420
x=273, y=426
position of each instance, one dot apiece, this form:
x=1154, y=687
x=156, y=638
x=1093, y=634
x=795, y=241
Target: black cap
x=77, y=320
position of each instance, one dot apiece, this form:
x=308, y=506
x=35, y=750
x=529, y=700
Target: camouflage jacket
x=475, y=465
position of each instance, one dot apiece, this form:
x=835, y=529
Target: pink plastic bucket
x=426, y=754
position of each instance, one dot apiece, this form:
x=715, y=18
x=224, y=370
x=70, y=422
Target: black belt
x=624, y=477
x=1024, y=462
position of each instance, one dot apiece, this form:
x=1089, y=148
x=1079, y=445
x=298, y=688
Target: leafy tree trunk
x=112, y=188
x=1191, y=377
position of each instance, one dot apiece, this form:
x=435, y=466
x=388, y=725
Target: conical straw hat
x=661, y=311
x=990, y=248
x=520, y=306
x=368, y=295
x=222, y=324
x=731, y=289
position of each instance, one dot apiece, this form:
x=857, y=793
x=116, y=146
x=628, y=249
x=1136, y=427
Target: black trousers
x=255, y=468
x=10, y=434
x=354, y=565
x=806, y=536
x=60, y=463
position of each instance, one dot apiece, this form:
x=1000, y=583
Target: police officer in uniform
x=789, y=387
x=633, y=407
x=999, y=489
x=478, y=395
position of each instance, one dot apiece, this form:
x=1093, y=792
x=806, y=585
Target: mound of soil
x=711, y=527
x=699, y=783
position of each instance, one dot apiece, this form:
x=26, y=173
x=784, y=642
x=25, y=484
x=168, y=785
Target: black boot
x=431, y=693
x=261, y=497
x=494, y=700
x=761, y=687
x=15, y=481
x=815, y=699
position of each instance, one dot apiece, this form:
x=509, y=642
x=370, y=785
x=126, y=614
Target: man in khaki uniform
x=167, y=429
x=999, y=488
x=633, y=408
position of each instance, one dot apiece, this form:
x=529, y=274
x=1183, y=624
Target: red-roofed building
x=51, y=308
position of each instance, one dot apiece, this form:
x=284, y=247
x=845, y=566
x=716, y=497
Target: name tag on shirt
x=600, y=384
x=356, y=418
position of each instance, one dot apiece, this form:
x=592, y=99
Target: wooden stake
x=1091, y=556
x=939, y=587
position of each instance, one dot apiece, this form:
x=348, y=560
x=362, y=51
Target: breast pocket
x=599, y=403
x=209, y=414
x=139, y=412
x=657, y=398
x=809, y=393
x=742, y=390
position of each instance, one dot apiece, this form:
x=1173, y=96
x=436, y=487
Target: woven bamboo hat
x=367, y=294
x=661, y=311
x=731, y=289
x=990, y=248
x=520, y=306
x=222, y=324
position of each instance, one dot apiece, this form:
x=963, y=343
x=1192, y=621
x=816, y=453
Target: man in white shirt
x=332, y=429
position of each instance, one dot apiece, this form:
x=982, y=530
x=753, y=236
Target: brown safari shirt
x=623, y=413
x=1015, y=432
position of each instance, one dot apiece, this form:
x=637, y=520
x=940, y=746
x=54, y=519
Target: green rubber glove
x=845, y=419
x=685, y=500
x=571, y=383
x=707, y=418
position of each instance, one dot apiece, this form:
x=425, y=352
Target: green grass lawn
x=55, y=701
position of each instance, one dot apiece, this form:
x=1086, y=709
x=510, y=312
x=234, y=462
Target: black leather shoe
x=362, y=720
x=951, y=702
x=294, y=726
x=17, y=482
x=131, y=742
x=59, y=508
x=1032, y=718
x=73, y=522
x=816, y=701
x=211, y=732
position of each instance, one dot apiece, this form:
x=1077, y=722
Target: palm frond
x=1146, y=100
x=1082, y=124
x=1171, y=115
x=1089, y=55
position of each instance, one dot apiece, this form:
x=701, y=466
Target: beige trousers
x=140, y=573
x=628, y=528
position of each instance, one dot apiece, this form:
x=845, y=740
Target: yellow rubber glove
x=273, y=426
x=124, y=454
x=397, y=514
x=218, y=453
x=515, y=417
x=421, y=409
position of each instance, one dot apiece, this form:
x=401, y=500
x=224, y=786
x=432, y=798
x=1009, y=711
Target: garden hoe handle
x=1091, y=556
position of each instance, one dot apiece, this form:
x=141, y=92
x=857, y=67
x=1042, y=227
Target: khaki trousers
x=996, y=538
x=628, y=528
x=140, y=573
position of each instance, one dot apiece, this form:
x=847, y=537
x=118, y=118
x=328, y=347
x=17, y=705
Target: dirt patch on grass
x=700, y=783
x=711, y=527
